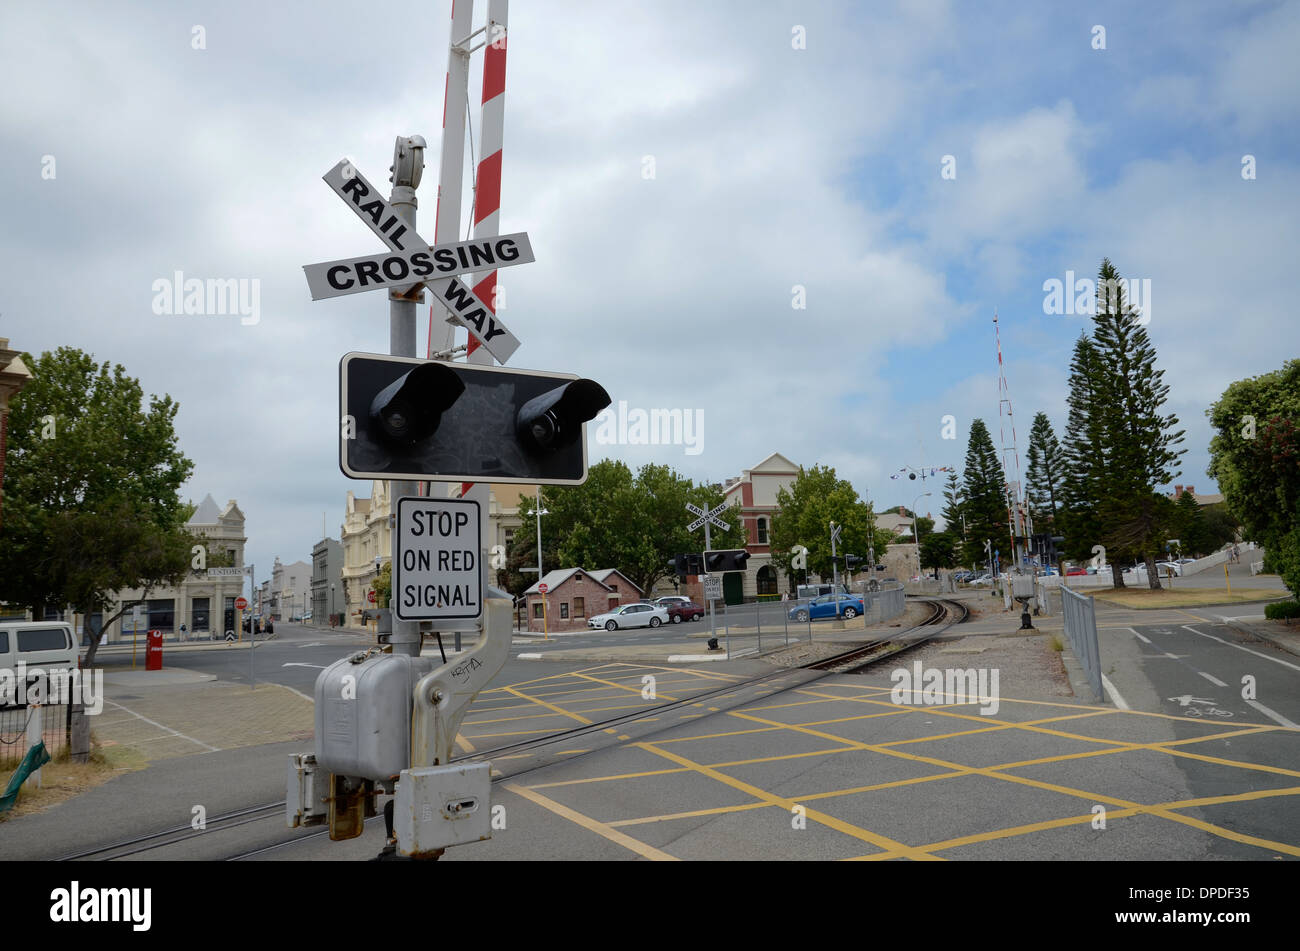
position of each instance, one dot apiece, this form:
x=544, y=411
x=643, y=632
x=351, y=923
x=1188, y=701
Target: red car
x=679, y=611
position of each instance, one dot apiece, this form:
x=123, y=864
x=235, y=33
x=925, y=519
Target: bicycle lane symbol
x=1197, y=707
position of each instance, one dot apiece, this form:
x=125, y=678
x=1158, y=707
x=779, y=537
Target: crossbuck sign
x=412, y=263
x=710, y=516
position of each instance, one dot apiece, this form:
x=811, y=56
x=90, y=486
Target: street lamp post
x=916, y=530
x=540, y=513
x=331, y=604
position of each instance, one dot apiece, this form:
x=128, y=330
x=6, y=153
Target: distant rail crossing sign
x=710, y=516
x=436, y=572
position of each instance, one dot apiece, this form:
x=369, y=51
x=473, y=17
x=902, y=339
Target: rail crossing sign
x=710, y=516
x=436, y=572
x=417, y=263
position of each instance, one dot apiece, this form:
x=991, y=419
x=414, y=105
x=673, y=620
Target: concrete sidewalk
x=1278, y=633
x=153, y=715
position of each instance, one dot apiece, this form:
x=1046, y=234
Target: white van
x=806, y=592
x=40, y=645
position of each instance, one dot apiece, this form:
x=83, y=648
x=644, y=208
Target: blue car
x=824, y=607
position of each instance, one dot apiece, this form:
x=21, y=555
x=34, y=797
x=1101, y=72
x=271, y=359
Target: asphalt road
x=296, y=656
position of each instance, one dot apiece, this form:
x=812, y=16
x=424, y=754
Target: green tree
x=91, y=495
x=615, y=519
x=1190, y=524
x=1043, y=476
x=383, y=585
x=1084, y=449
x=984, y=500
x=1140, y=439
x=938, y=550
x=1255, y=458
x=1220, y=527
x=815, y=499
x=953, y=498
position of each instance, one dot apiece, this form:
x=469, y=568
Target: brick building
x=574, y=594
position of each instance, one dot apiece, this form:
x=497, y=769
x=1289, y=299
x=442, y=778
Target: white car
x=630, y=615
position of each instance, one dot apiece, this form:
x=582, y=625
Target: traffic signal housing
x=851, y=562
x=729, y=560
x=403, y=418
x=689, y=563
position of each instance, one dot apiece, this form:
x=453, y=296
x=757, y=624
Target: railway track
x=945, y=614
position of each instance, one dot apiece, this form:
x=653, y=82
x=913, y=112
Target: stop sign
x=241, y=603
x=542, y=588
x=371, y=596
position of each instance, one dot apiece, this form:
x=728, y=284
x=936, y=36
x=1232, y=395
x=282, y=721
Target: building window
x=579, y=607
x=766, y=580
x=564, y=610
x=510, y=536
x=537, y=609
x=199, y=614
x=577, y=579
x=162, y=614
x=762, y=531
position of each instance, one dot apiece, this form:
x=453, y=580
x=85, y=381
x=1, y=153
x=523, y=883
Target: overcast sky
x=774, y=167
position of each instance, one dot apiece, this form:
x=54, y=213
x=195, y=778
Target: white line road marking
x=212, y=749
x=1275, y=717
x=1144, y=640
x=1212, y=679
x=294, y=663
x=1240, y=648
x=528, y=657
x=1114, y=694
x=691, y=658
x=312, y=644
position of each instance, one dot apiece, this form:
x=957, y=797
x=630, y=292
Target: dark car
x=827, y=606
x=679, y=611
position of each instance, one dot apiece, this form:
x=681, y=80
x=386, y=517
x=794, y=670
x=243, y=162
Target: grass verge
x=1177, y=597
x=62, y=779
